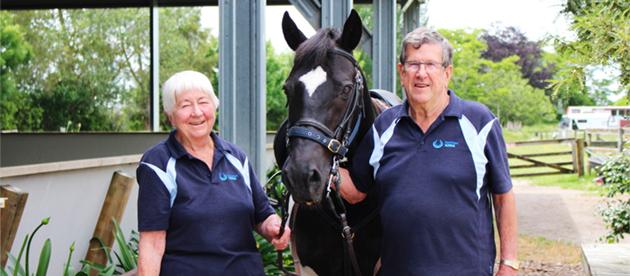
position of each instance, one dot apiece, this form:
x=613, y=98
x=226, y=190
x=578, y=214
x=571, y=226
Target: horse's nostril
x=314, y=177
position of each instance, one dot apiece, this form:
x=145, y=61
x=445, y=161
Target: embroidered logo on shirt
x=439, y=143
x=227, y=176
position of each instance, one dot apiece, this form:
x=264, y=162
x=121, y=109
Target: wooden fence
x=594, y=146
x=603, y=143
x=533, y=160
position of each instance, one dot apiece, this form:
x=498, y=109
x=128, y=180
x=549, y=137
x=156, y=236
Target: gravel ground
x=535, y=268
x=557, y=214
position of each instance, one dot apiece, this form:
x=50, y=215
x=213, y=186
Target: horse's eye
x=346, y=90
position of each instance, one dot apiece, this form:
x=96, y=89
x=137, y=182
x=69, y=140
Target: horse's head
x=321, y=92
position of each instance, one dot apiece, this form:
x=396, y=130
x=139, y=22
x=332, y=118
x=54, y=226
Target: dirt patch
x=556, y=214
x=535, y=268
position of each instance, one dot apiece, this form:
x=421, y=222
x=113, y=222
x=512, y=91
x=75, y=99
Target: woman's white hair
x=185, y=81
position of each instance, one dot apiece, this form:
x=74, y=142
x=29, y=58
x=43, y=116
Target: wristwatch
x=511, y=263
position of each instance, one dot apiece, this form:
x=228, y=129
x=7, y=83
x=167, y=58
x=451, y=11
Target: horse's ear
x=292, y=35
x=352, y=31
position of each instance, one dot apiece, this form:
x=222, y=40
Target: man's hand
x=346, y=188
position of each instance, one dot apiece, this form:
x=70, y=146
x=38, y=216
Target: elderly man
x=439, y=163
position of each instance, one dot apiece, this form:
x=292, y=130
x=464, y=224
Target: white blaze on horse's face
x=313, y=79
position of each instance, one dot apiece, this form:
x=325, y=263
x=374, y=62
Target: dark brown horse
x=330, y=110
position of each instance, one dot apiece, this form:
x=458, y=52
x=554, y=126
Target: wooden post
x=578, y=156
x=620, y=140
x=113, y=208
x=14, y=201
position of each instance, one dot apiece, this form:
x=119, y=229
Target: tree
x=498, y=85
x=15, y=51
x=84, y=53
x=97, y=60
x=510, y=41
x=602, y=39
x=570, y=94
x=185, y=45
x=278, y=68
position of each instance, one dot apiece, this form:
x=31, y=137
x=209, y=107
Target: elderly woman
x=199, y=198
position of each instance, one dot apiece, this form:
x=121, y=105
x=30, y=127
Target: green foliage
x=622, y=101
x=567, y=181
x=603, y=36
x=498, y=85
x=126, y=256
x=83, y=101
x=528, y=132
x=184, y=45
x=269, y=256
x=44, y=259
x=91, y=66
x=275, y=190
x=15, y=51
x=616, y=215
x=278, y=68
x=616, y=172
x=17, y=269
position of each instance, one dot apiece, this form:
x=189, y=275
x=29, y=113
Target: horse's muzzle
x=305, y=181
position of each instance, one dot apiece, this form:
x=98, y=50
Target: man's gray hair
x=186, y=81
x=422, y=35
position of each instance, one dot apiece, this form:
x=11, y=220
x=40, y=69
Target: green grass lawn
x=528, y=132
x=565, y=181
x=568, y=181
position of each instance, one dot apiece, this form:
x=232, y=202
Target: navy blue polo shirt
x=434, y=188
x=208, y=215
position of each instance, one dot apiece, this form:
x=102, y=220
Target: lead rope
x=282, y=201
x=346, y=231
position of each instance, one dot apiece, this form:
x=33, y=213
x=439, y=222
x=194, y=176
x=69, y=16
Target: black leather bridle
x=337, y=142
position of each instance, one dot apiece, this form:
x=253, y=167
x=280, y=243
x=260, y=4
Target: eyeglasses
x=414, y=66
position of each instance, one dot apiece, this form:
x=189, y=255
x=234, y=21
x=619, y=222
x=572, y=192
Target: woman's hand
x=270, y=230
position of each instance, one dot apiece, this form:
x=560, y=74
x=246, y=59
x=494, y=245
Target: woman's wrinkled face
x=194, y=114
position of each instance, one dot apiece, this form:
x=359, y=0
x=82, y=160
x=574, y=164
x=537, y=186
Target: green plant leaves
x=127, y=258
x=616, y=215
x=44, y=259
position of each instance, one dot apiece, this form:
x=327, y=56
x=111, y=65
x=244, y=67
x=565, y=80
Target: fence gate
x=558, y=167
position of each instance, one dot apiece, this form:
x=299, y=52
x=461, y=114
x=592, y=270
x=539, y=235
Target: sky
x=535, y=18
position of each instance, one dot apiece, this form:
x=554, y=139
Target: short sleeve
x=154, y=208
x=499, y=179
x=262, y=208
x=361, y=171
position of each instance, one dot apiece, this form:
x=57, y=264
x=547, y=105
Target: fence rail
x=558, y=167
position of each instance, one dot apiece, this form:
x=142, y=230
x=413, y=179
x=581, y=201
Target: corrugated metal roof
x=73, y=4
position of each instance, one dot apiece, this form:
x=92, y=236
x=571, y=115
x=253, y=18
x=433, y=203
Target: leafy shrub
x=616, y=215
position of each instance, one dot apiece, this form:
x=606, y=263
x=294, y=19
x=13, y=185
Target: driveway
x=559, y=214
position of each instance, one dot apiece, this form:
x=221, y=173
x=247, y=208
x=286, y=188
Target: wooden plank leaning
x=13, y=200
x=113, y=208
